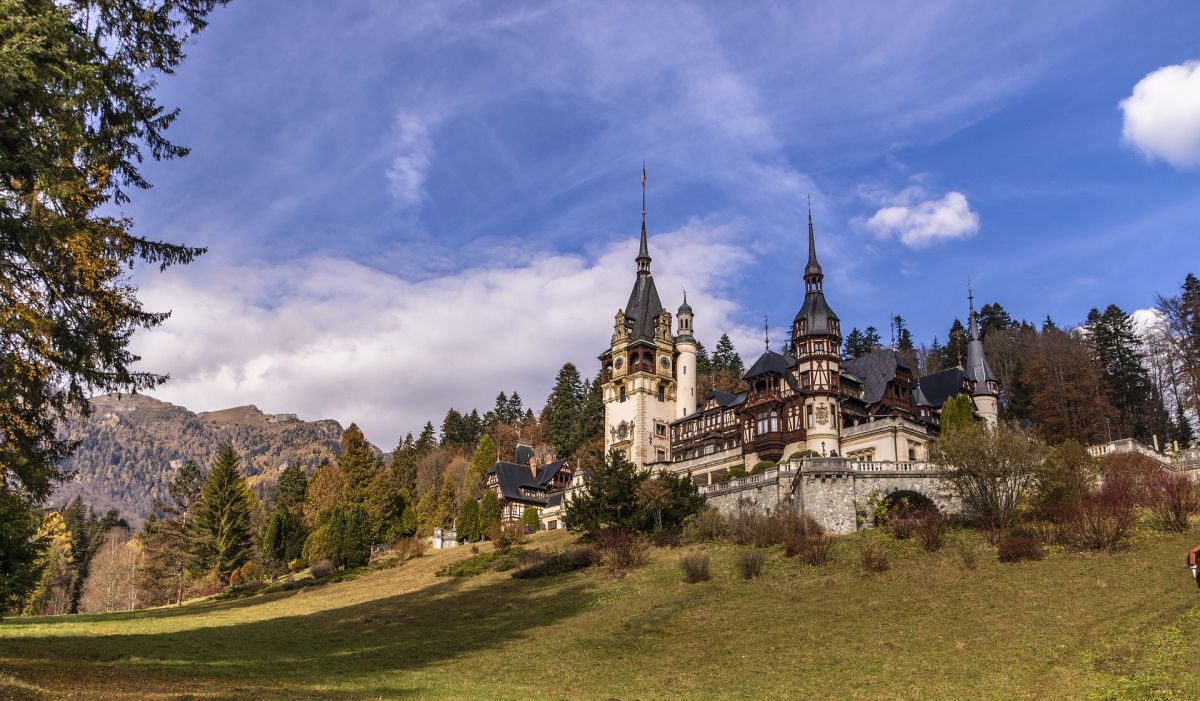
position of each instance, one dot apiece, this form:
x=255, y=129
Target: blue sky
x=411, y=206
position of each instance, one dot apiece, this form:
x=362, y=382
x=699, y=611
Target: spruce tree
x=425, y=442
x=560, y=418
x=703, y=363
x=484, y=457
x=609, y=500
x=1116, y=349
x=955, y=351
x=404, y=464
x=291, y=488
x=222, y=523
x=591, y=416
x=726, y=358
x=357, y=462
x=993, y=317
x=957, y=413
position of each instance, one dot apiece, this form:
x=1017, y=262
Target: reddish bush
x=321, y=568
x=1021, y=544
x=621, y=549
x=664, y=538
x=1104, y=519
x=749, y=563
x=874, y=558
x=931, y=529
x=1173, y=498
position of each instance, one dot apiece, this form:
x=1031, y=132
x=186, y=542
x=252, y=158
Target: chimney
x=1155, y=439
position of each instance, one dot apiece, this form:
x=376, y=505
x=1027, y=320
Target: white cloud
x=413, y=152
x=921, y=223
x=330, y=338
x=1162, y=116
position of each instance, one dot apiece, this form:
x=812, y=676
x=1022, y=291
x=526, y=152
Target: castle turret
x=986, y=394
x=816, y=346
x=685, y=362
x=639, y=369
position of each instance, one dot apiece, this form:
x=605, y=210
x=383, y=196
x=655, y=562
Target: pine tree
x=80, y=115
x=1115, y=347
x=860, y=343
x=726, y=358
x=385, y=501
x=590, y=426
x=530, y=520
x=357, y=462
x=1018, y=395
x=404, y=464
x=515, y=410
x=454, y=430
x=993, y=317
x=560, y=418
x=955, y=352
x=489, y=513
x=426, y=441
x=703, y=363
x=466, y=525
x=609, y=500
x=484, y=457
x=222, y=523
x=291, y=488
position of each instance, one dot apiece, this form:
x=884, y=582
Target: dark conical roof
x=977, y=365
x=644, y=306
x=815, y=311
x=769, y=362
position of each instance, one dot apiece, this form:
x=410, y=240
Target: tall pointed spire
x=812, y=272
x=766, y=333
x=643, y=259
x=977, y=364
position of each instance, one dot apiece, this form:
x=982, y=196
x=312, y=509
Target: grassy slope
x=1072, y=626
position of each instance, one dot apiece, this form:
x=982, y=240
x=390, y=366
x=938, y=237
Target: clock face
x=618, y=363
x=622, y=430
x=666, y=362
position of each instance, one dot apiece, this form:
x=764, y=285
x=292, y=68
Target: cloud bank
x=1162, y=116
x=332, y=338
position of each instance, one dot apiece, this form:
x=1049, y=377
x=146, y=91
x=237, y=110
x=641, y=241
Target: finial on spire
x=766, y=333
x=643, y=259
x=812, y=271
x=972, y=324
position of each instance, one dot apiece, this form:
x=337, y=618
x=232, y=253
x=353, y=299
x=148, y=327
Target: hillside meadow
x=1075, y=625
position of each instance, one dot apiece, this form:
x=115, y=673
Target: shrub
x=1019, y=546
x=969, y=558
x=581, y=556
x=735, y=473
x=1174, y=499
x=813, y=549
x=705, y=526
x=664, y=539
x=1104, y=520
x=902, y=527
x=874, y=558
x=529, y=520
x=749, y=563
x=620, y=548
x=506, y=536
x=762, y=466
x=409, y=548
x=534, y=564
x=321, y=568
x=243, y=575
x=478, y=564
x=931, y=530
x=695, y=568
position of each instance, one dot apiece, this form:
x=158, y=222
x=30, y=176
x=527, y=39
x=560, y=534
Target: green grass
x=1071, y=626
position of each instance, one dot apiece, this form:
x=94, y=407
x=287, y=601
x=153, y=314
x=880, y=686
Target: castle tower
x=816, y=346
x=986, y=395
x=685, y=363
x=638, y=370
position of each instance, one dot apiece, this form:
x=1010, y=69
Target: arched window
x=662, y=392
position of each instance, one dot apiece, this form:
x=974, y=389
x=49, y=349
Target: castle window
x=661, y=455
x=622, y=392
x=810, y=415
x=818, y=346
x=805, y=379
x=662, y=392
x=660, y=429
x=803, y=348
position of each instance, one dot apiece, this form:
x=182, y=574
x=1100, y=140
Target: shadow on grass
x=298, y=656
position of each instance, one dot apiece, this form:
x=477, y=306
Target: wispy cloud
x=920, y=220
x=412, y=154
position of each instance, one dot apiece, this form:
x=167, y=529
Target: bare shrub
x=321, y=568
x=902, y=527
x=874, y=558
x=409, y=548
x=993, y=469
x=664, y=539
x=620, y=549
x=931, y=529
x=705, y=526
x=1174, y=499
x=749, y=563
x=1104, y=519
x=695, y=568
x=969, y=558
x=1020, y=545
x=581, y=556
x=506, y=536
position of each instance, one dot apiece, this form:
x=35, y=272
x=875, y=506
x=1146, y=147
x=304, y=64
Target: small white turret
x=685, y=364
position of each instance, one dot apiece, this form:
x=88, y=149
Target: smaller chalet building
x=526, y=482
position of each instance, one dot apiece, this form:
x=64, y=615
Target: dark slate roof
x=769, y=362
x=513, y=477
x=547, y=472
x=726, y=399
x=876, y=369
x=816, y=313
x=643, y=308
x=940, y=386
x=524, y=455
x=554, y=499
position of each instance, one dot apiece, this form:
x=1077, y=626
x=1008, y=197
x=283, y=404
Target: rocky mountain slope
x=131, y=446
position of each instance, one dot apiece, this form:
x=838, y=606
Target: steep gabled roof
x=875, y=369
x=940, y=386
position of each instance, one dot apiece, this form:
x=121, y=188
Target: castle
x=804, y=403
